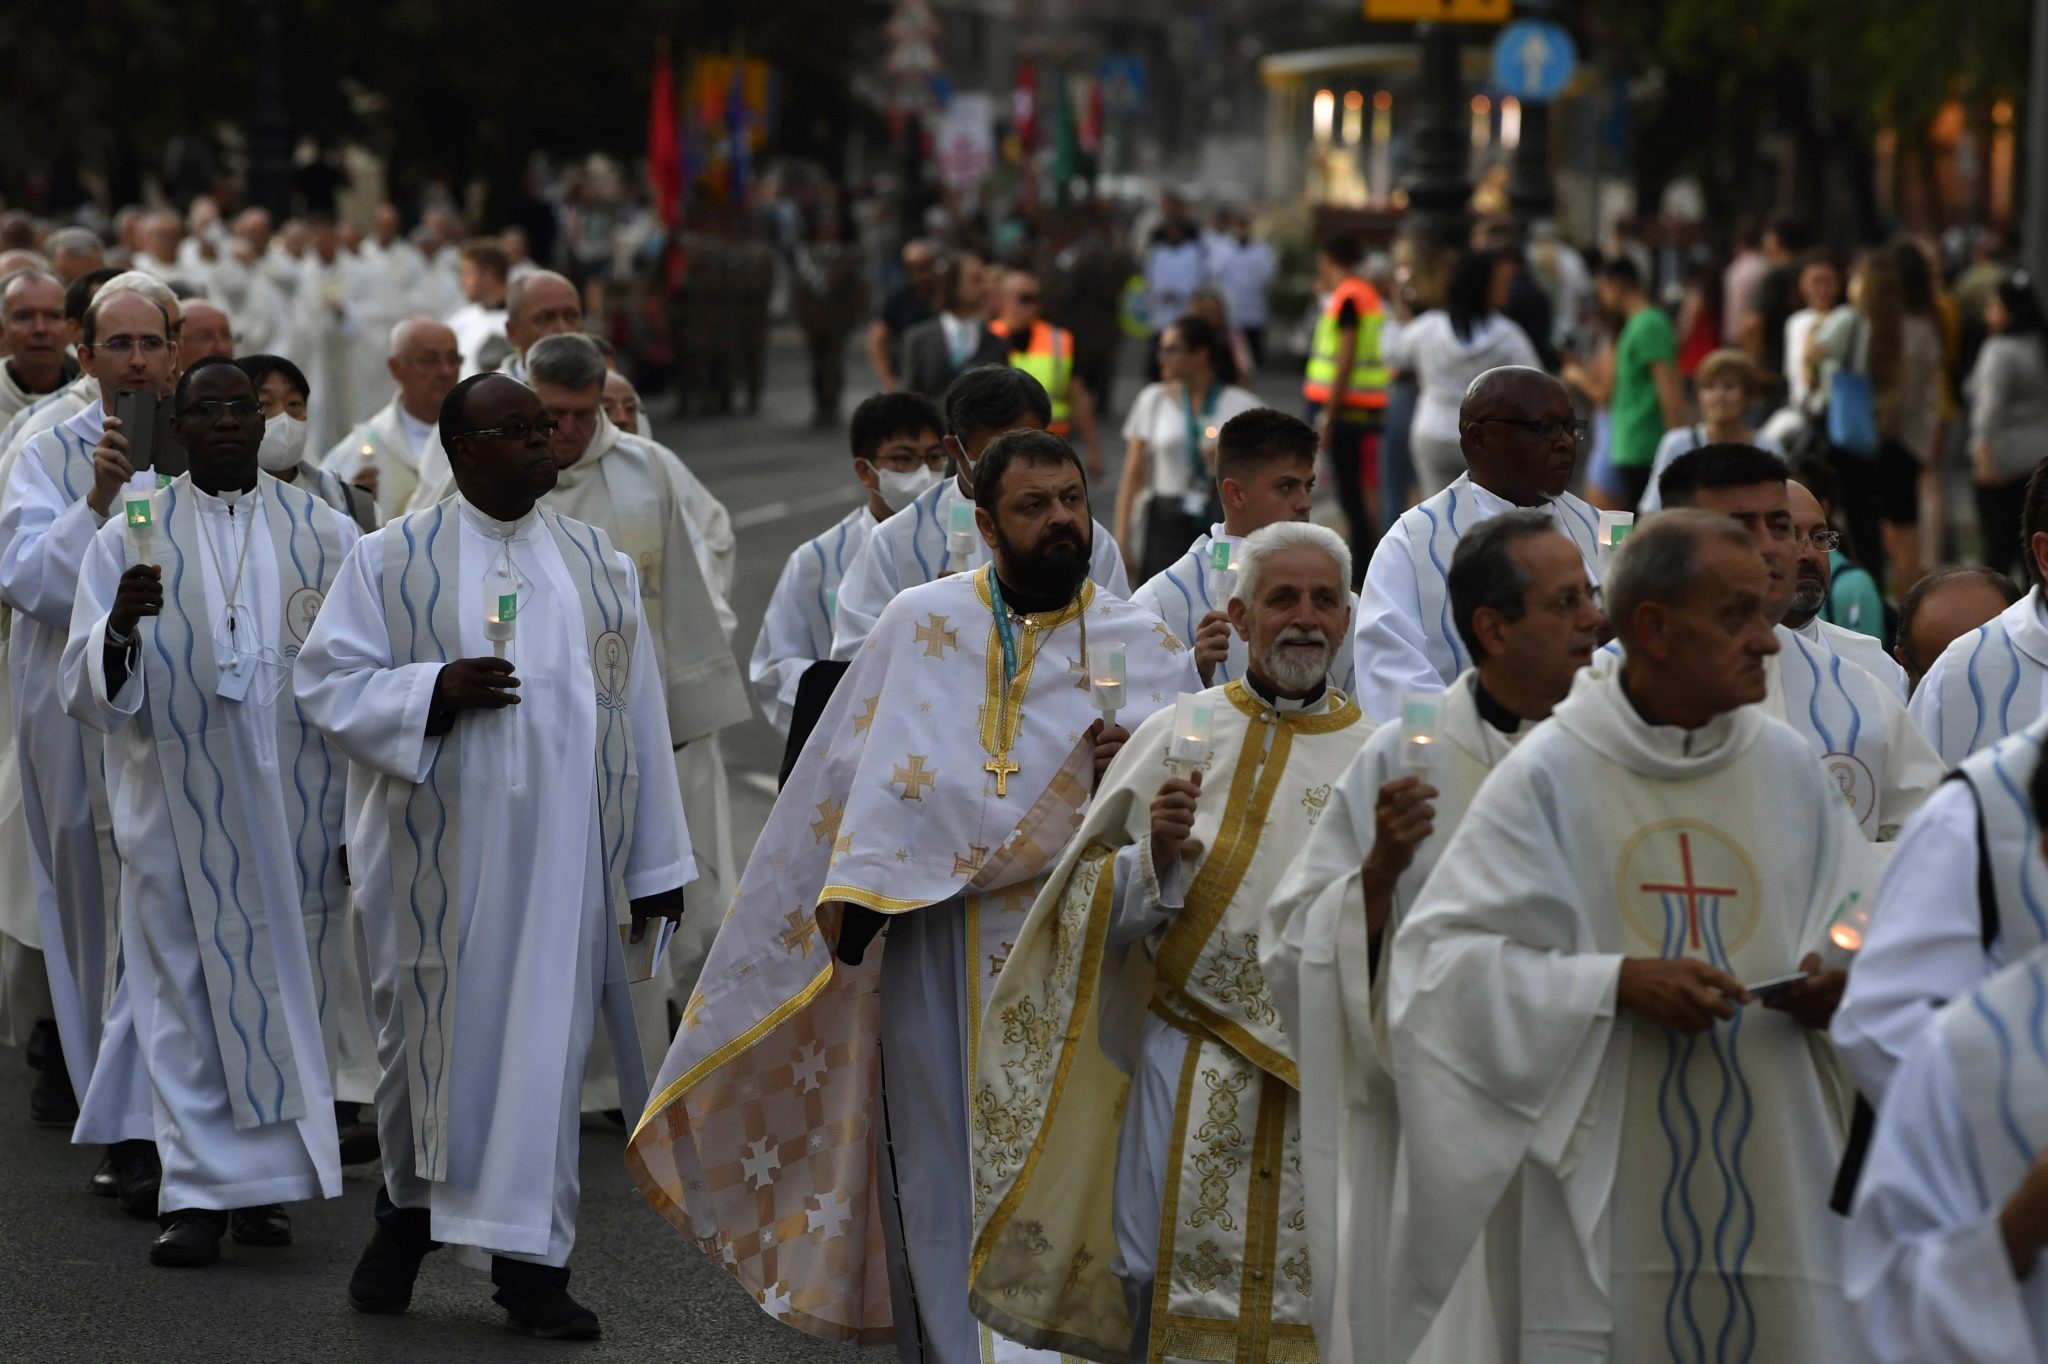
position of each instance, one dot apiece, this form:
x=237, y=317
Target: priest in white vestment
x=537, y=304
x=325, y=322
x=60, y=491
x=31, y=339
x=513, y=825
x=632, y=492
x=1265, y=474
x=1583, y=1073
x=920, y=542
x=899, y=451
x=1943, y=1261
x=1992, y=681
x=812, y=1125
x=397, y=453
x=1521, y=438
x=1814, y=539
x=1139, y=1185
x=229, y=807
x=391, y=284
x=1876, y=758
x=1526, y=609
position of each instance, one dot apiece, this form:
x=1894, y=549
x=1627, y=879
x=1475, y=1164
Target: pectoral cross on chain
x=1001, y=767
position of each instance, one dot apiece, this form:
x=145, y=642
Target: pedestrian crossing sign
x=1438, y=11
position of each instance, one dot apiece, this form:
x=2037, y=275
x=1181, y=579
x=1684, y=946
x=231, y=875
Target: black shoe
x=138, y=1176
x=189, y=1239
x=52, y=1103
x=359, y=1145
x=40, y=1039
x=549, y=1313
x=265, y=1225
x=103, y=1183
x=383, y=1279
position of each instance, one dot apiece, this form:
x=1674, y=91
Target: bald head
x=538, y=304
x=32, y=328
x=21, y=258
x=207, y=331
x=425, y=360
x=1519, y=432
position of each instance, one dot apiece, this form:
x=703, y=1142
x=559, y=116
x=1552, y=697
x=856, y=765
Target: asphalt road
x=75, y=1281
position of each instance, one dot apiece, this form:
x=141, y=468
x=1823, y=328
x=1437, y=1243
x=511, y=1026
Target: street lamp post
x=1439, y=185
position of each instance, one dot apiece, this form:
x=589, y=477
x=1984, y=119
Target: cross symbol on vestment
x=914, y=777
x=867, y=717
x=936, y=638
x=1001, y=767
x=802, y=934
x=1691, y=892
x=968, y=865
x=826, y=825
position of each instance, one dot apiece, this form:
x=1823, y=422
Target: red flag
x=664, y=150
x=1024, y=106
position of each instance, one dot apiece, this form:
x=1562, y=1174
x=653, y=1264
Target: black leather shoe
x=549, y=1313
x=51, y=1103
x=359, y=1142
x=189, y=1239
x=266, y=1225
x=383, y=1278
x=103, y=1184
x=41, y=1038
x=138, y=1176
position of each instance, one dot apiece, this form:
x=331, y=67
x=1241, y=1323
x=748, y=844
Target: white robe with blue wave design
x=1668, y=1192
x=1988, y=683
x=1404, y=638
x=796, y=630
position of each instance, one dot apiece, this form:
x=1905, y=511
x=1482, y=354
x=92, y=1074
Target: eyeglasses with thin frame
x=125, y=346
x=1572, y=601
x=452, y=359
x=212, y=409
x=518, y=428
x=1826, y=541
x=1545, y=430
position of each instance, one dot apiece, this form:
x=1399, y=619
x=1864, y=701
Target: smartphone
x=137, y=408
x=1776, y=985
x=167, y=452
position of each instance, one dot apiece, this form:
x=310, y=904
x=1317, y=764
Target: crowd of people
x=1586, y=907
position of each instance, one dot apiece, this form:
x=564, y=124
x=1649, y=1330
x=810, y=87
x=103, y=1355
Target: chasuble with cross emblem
x=1644, y=1193
x=937, y=789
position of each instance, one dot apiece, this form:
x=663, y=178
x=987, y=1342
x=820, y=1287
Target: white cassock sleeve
x=784, y=648
x=1390, y=653
x=83, y=671
x=43, y=539
x=1912, y=769
x=869, y=586
x=660, y=858
x=373, y=712
x=1925, y=706
x=1925, y=1268
x=710, y=532
x=1924, y=946
x=1141, y=902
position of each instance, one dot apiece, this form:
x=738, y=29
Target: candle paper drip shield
x=1420, y=714
x=1222, y=572
x=138, y=522
x=1842, y=939
x=960, y=532
x=1194, y=717
x=1107, y=680
x=504, y=588
x=1614, y=527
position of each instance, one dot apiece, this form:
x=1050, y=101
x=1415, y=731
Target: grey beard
x=1285, y=672
x=1807, y=600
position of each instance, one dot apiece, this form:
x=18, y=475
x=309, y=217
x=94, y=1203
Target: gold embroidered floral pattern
x=1315, y=800
x=1024, y=1026
x=1295, y=1267
x=1230, y=975
x=1206, y=1268
x=1222, y=1141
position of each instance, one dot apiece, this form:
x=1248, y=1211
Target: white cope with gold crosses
x=765, y=1110
x=1655, y=1189
x=1133, y=1058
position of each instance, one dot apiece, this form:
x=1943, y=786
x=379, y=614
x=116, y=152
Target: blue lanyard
x=1196, y=468
x=1003, y=633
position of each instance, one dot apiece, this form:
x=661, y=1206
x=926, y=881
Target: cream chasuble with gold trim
x=1052, y=1073
x=763, y=1138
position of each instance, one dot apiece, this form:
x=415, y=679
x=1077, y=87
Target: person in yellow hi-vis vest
x=1346, y=388
x=1046, y=353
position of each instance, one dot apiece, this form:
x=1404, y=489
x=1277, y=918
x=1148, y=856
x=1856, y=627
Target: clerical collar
x=417, y=432
x=1261, y=689
x=1493, y=712
x=231, y=498
x=1034, y=604
x=491, y=525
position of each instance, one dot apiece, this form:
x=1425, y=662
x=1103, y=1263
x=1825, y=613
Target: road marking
x=802, y=506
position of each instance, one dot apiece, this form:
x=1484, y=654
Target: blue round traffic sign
x=1534, y=59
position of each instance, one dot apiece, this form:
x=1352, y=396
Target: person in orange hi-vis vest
x=1346, y=388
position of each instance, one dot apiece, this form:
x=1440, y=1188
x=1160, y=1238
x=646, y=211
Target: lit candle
x=501, y=613
x=1109, y=685
x=1193, y=717
x=1420, y=712
x=1354, y=118
x=1614, y=527
x=1382, y=146
x=1222, y=572
x=1510, y=123
x=960, y=532
x=139, y=523
x=1325, y=115
x=1844, y=936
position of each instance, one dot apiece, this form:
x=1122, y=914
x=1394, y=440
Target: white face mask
x=284, y=443
x=900, y=488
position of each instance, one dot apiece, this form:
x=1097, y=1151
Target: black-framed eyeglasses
x=518, y=428
x=213, y=409
x=1546, y=431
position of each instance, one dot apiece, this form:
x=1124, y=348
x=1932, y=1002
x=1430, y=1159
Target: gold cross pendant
x=1001, y=767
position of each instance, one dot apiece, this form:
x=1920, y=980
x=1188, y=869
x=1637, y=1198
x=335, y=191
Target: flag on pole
x=664, y=151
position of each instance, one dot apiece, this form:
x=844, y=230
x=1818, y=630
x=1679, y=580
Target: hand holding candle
x=501, y=616
x=1187, y=748
x=1108, y=683
x=1420, y=713
x=138, y=520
